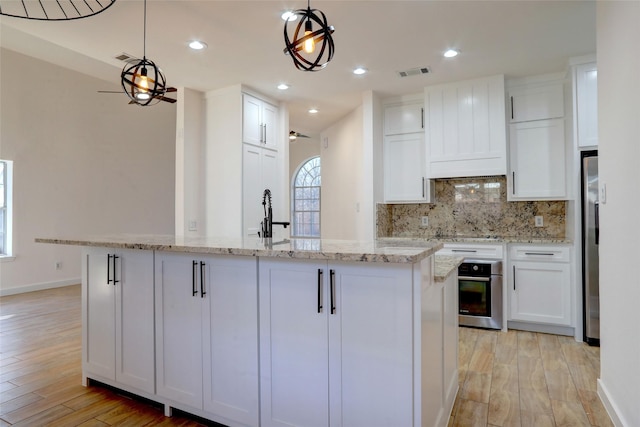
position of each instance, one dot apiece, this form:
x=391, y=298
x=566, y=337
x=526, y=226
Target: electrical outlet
x=58, y=265
x=424, y=221
x=539, y=221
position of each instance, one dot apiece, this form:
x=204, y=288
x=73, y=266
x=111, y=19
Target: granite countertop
x=318, y=249
x=445, y=266
x=482, y=239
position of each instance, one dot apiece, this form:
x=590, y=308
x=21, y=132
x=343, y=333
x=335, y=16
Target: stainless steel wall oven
x=480, y=293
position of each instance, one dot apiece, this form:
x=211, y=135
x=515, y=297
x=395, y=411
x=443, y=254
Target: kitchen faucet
x=267, y=222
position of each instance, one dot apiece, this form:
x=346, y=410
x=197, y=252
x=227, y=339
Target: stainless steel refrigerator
x=590, y=242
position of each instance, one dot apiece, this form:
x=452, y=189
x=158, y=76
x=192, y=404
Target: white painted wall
x=84, y=163
x=190, y=163
x=300, y=151
x=618, y=38
x=351, y=156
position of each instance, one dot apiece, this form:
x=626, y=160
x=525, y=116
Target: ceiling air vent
x=414, y=72
x=125, y=57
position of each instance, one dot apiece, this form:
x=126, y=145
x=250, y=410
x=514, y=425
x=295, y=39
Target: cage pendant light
x=310, y=50
x=143, y=81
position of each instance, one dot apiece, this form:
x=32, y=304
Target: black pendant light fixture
x=310, y=50
x=59, y=10
x=143, y=81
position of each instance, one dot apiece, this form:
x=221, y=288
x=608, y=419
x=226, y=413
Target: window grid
x=306, y=200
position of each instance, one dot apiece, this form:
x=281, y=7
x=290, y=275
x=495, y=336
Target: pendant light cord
x=144, y=33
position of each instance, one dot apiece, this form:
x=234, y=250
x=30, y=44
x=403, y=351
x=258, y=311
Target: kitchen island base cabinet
x=207, y=337
x=117, y=297
x=340, y=347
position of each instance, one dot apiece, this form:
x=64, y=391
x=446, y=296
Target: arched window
x=306, y=200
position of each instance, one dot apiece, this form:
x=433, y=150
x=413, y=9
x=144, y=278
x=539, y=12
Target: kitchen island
x=300, y=332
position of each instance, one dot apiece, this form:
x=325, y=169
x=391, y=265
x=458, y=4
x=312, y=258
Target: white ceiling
x=516, y=38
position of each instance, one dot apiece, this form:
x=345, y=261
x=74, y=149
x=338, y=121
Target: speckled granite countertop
x=318, y=249
x=484, y=239
x=445, y=266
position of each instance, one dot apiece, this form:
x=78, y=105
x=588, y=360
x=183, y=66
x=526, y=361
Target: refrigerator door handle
x=596, y=207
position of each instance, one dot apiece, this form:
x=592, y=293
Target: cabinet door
x=404, y=168
x=406, y=118
x=178, y=329
x=134, y=315
x=269, y=120
x=230, y=332
x=98, y=325
x=294, y=367
x=540, y=292
x=537, y=160
x=252, y=130
x=259, y=172
x=587, y=104
x=537, y=103
x=371, y=345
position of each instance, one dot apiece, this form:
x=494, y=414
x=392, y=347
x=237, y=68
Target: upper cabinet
x=586, y=104
x=404, y=152
x=539, y=102
x=259, y=119
x=537, y=148
x=404, y=118
x=465, y=128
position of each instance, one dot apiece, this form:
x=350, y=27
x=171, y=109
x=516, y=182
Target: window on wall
x=306, y=199
x=5, y=207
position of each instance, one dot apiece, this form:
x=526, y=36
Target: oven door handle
x=475, y=279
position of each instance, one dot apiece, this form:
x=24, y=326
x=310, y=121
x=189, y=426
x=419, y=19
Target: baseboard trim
x=539, y=327
x=609, y=405
x=39, y=287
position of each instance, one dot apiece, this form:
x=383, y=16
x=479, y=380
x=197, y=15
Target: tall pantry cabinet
x=244, y=150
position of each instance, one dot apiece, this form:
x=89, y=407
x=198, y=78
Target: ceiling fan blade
x=172, y=89
x=164, y=98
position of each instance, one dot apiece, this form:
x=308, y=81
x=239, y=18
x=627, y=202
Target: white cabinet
x=405, y=169
x=336, y=344
x=536, y=102
x=404, y=154
x=207, y=335
x=259, y=172
x=259, y=121
x=540, y=284
x=465, y=128
x=404, y=118
x=537, y=160
x=586, y=103
x=118, y=318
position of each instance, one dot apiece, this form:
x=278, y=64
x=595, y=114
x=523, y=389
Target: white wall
x=300, y=151
x=618, y=38
x=84, y=163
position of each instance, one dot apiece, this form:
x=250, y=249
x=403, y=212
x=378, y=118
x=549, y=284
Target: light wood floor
x=506, y=379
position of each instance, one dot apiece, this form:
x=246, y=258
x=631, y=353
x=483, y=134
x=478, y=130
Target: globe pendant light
x=310, y=50
x=143, y=81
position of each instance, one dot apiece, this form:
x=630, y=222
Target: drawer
x=479, y=250
x=540, y=253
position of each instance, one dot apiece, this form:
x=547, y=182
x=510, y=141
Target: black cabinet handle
x=332, y=290
x=202, y=290
x=423, y=188
x=194, y=288
x=108, y=269
x=596, y=207
x=115, y=257
x=512, y=108
x=513, y=182
x=514, y=277
x=422, y=113
x=320, y=290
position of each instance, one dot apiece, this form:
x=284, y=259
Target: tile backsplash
x=472, y=207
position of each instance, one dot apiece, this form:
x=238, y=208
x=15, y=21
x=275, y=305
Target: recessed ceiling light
x=197, y=45
x=283, y=86
x=359, y=71
x=313, y=111
x=289, y=16
x=451, y=53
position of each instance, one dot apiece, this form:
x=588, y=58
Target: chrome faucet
x=267, y=222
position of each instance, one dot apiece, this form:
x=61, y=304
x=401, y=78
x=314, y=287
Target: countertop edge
x=445, y=266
